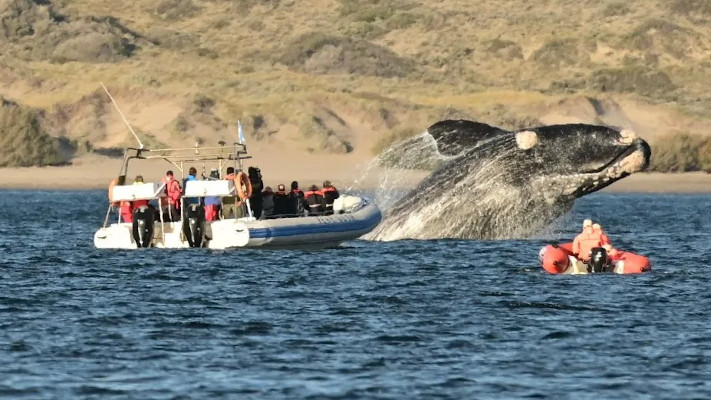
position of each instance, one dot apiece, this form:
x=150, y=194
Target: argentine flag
x=240, y=132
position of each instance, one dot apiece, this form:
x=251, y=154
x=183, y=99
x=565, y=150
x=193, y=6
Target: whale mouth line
x=617, y=161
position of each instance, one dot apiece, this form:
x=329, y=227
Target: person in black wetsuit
x=297, y=200
x=255, y=201
x=282, y=203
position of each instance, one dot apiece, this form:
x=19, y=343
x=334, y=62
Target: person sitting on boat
x=296, y=196
x=587, y=240
x=282, y=203
x=313, y=199
x=231, y=206
x=192, y=176
x=598, y=230
x=212, y=203
x=171, y=204
x=330, y=193
x=268, y=202
x=255, y=200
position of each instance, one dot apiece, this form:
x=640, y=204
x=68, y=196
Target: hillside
x=346, y=77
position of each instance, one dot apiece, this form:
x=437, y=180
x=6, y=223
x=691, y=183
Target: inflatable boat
x=347, y=218
x=559, y=259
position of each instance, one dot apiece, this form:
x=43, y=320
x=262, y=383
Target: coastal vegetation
x=343, y=77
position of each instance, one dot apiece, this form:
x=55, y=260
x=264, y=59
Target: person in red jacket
x=171, y=204
x=597, y=229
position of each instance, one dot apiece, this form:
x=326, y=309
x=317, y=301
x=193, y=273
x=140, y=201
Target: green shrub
x=637, y=79
x=23, y=140
x=560, y=52
x=327, y=54
x=681, y=153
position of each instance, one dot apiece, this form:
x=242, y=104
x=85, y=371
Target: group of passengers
x=590, y=238
x=264, y=203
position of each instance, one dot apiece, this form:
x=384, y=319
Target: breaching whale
x=497, y=184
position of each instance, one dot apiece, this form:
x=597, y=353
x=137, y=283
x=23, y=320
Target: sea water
x=441, y=319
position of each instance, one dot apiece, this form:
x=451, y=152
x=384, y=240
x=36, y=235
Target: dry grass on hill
x=344, y=76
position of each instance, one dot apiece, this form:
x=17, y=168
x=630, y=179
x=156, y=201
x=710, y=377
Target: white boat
x=352, y=216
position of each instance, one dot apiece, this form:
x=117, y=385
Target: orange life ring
x=244, y=186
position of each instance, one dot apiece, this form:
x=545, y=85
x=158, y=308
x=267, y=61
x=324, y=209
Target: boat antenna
x=140, y=145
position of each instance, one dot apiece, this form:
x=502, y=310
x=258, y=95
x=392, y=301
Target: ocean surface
x=401, y=320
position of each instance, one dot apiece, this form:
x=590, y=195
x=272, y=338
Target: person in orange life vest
x=231, y=205
x=296, y=196
x=282, y=203
x=598, y=230
x=171, y=204
x=586, y=241
x=330, y=193
x=313, y=199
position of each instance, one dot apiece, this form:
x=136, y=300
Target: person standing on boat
x=282, y=203
x=313, y=199
x=330, y=193
x=171, y=204
x=296, y=197
x=255, y=200
x=192, y=176
x=139, y=203
x=212, y=203
x=231, y=207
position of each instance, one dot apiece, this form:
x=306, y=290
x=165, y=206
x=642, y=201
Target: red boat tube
x=559, y=259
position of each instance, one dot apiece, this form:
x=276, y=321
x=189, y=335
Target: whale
x=489, y=183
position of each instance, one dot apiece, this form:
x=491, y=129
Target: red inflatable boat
x=559, y=259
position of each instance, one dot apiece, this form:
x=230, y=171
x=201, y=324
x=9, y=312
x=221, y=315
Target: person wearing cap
x=282, y=203
x=139, y=203
x=586, y=241
x=330, y=193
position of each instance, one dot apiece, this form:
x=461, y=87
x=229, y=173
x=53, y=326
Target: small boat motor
x=194, y=224
x=598, y=260
x=142, y=226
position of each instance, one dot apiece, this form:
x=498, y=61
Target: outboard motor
x=194, y=224
x=598, y=260
x=142, y=226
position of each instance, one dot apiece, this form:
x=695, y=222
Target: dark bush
x=326, y=54
x=641, y=80
x=681, y=153
x=23, y=140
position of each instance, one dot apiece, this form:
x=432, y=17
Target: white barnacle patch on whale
x=526, y=139
x=627, y=136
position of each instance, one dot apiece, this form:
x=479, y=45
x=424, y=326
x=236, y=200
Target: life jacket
x=585, y=242
x=329, y=195
x=314, y=199
x=174, y=192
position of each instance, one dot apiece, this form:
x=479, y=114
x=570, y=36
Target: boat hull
x=559, y=259
x=304, y=232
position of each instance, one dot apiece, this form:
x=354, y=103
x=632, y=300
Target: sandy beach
x=345, y=171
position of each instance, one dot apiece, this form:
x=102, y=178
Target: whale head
x=492, y=183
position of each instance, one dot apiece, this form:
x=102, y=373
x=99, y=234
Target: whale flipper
x=455, y=136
